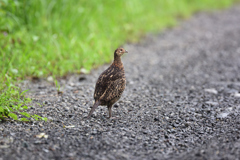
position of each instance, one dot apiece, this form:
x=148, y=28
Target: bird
x=110, y=84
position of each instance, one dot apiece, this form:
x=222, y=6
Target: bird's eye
x=121, y=50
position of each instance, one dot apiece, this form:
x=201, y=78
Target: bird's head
x=120, y=51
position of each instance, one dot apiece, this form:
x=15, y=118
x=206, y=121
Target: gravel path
x=182, y=101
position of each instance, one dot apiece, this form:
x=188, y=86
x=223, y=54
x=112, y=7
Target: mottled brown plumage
x=110, y=84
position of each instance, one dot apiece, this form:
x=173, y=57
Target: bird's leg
x=110, y=111
x=93, y=108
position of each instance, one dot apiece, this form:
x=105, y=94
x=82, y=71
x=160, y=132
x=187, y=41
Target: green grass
x=57, y=37
x=13, y=102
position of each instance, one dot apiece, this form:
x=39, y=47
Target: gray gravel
x=182, y=101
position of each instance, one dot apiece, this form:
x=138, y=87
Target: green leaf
x=24, y=107
x=25, y=114
x=10, y=109
x=23, y=92
x=45, y=119
x=13, y=116
x=35, y=118
x=39, y=104
x=6, y=112
x=24, y=119
x=1, y=109
x=27, y=100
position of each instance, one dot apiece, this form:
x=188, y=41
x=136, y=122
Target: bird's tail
x=96, y=104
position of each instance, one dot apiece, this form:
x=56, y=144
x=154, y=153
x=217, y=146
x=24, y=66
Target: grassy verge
x=13, y=103
x=42, y=37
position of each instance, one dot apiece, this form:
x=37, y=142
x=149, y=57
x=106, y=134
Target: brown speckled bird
x=110, y=84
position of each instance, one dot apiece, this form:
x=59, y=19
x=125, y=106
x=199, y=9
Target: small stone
x=71, y=115
x=211, y=90
x=222, y=115
x=237, y=95
x=25, y=144
x=66, y=108
x=4, y=146
x=37, y=142
x=45, y=102
x=50, y=79
x=94, y=132
x=81, y=78
x=42, y=87
x=212, y=103
x=84, y=71
x=45, y=150
x=75, y=107
x=49, y=118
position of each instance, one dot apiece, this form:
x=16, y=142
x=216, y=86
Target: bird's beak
x=126, y=51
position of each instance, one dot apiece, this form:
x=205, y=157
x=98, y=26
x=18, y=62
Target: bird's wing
x=105, y=79
x=114, y=89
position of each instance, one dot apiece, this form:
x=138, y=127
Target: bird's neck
x=117, y=61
